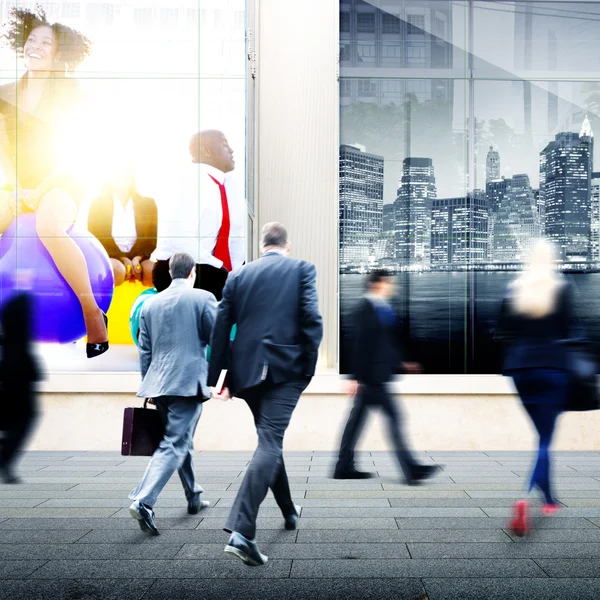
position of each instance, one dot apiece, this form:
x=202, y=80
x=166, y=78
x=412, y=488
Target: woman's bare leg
x=147, y=267
x=118, y=270
x=56, y=213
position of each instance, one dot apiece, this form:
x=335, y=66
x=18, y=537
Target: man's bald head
x=210, y=147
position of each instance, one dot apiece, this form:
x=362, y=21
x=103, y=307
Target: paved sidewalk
x=66, y=533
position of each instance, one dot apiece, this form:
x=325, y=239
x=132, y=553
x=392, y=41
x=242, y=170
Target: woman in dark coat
x=536, y=317
x=19, y=373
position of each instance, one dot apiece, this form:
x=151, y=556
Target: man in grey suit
x=273, y=302
x=175, y=328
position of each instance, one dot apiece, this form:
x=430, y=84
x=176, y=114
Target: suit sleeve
x=100, y=226
x=219, y=343
x=207, y=318
x=146, y=224
x=311, y=323
x=145, y=345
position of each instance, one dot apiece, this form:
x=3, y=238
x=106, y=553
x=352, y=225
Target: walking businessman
x=375, y=356
x=175, y=327
x=273, y=302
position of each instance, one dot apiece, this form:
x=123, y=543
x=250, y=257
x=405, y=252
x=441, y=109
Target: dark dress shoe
x=246, y=550
x=195, y=505
x=351, y=474
x=144, y=515
x=423, y=472
x=291, y=521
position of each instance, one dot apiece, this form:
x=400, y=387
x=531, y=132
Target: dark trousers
x=369, y=396
x=272, y=407
x=17, y=422
x=15, y=437
x=544, y=395
x=208, y=278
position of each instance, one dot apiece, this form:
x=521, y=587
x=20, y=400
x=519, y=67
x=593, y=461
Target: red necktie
x=221, y=250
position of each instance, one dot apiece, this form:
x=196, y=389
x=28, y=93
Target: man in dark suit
x=273, y=302
x=376, y=354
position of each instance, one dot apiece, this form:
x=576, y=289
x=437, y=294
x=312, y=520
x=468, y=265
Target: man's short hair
x=377, y=275
x=181, y=265
x=274, y=234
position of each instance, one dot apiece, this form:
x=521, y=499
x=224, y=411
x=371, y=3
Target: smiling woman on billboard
x=36, y=107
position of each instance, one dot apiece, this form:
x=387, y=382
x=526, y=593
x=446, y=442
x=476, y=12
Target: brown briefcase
x=143, y=429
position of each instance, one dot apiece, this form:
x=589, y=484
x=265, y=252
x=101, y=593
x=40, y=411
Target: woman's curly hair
x=72, y=46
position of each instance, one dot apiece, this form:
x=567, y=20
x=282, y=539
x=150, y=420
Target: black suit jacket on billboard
x=100, y=221
x=273, y=302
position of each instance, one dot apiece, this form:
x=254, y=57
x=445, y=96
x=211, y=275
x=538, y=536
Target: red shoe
x=549, y=509
x=520, y=523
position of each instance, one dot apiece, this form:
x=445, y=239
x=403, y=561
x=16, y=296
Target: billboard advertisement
x=122, y=141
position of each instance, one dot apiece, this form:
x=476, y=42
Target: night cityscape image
x=447, y=174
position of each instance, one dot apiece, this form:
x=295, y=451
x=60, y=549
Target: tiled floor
x=66, y=533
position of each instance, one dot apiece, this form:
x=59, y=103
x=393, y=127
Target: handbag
x=583, y=389
x=143, y=429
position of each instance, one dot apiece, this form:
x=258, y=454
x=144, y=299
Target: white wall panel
x=298, y=132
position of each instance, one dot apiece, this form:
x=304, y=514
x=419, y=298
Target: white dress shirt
x=190, y=217
x=124, y=231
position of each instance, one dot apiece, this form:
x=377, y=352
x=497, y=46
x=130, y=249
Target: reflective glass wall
x=467, y=130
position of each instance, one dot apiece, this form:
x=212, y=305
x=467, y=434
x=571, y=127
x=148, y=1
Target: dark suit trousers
x=272, y=407
x=367, y=397
x=17, y=422
x=208, y=278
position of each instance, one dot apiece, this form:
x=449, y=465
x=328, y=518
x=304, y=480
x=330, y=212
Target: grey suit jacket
x=175, y=328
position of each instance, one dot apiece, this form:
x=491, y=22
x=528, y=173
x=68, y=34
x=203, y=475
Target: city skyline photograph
x=466, y=132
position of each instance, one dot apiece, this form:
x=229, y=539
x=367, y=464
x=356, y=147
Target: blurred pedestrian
x=376, y=355
x=273, y=302
x=535, y=317
x=175, y=328
x=19, y=372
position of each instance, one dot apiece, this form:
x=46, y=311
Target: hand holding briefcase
x=143, y=429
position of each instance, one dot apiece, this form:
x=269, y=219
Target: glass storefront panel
x=535, y=39
x=466, y=168
x=390, y=36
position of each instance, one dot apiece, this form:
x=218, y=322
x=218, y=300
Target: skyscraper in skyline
x=388, y=217
x=416, y=193
x=495, y=192
x=595, y=218
x=565, y=193
x=459, y=231
x=516, y=223
x=492, y=165
x=361, y=204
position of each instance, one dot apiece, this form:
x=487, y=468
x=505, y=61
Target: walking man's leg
x=178, y=414
x=186, y=472
x=280, y=485
x=277, y=403
x=412, y=470
x=345, y=468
